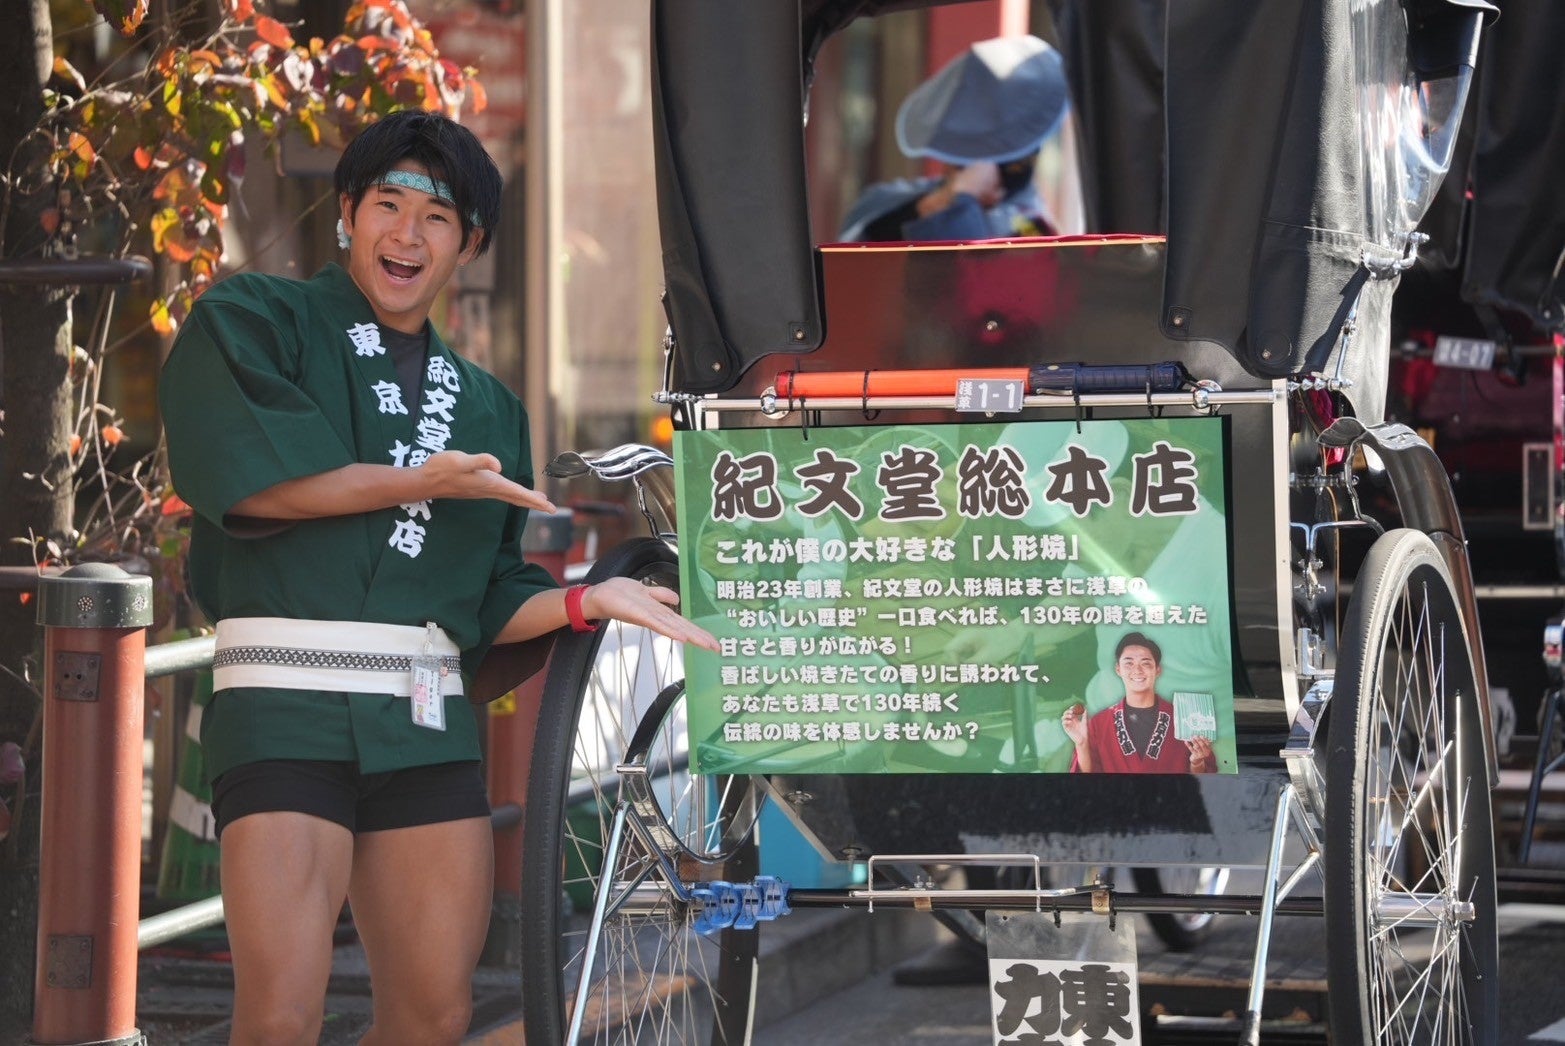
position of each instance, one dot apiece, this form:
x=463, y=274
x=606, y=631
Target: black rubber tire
x=1180, y=931
x=1404, y=717
x=674, y=1006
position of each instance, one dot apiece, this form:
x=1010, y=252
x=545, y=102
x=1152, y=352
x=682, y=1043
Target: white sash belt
x=346, y=656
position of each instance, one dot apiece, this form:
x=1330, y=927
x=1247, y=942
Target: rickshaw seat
x=998, y=302
x=1060, y=240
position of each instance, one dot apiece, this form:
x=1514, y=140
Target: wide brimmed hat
x=995, y=103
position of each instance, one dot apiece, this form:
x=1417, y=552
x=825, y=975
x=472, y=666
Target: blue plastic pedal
x=719, y=906
x=774, y=897
x=749, y=906
x=707, y=911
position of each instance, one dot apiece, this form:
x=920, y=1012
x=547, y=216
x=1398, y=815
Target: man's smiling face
x=406, y=244
x=1139, y=671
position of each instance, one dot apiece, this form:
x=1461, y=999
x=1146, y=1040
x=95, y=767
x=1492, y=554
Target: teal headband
x=428, y=186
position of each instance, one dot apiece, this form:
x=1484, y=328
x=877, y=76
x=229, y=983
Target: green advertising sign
x=968, y=598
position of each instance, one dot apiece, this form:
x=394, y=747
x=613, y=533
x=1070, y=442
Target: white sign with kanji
x=1086, y=999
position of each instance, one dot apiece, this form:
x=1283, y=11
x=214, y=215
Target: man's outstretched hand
x=650, y=606
x=457, y=474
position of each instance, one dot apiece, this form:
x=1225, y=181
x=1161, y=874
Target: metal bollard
x=95, y=618
x=513, y=722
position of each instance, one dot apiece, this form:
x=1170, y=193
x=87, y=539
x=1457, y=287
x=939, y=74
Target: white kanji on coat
x=407, y=538
x=417, y=510
x=366, y=339
x=399, y=453
x=390, y=397
x=441, y=371
x=438, y=401
x=432, y=434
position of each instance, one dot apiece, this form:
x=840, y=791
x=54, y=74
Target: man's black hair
x=1137, y=639
x=1017, y=174
x=450, y=152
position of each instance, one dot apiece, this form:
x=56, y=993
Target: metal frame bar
x=1288, y=811
x=1544, y=766
x=600, y=907
x=1073, y=899
x=1200, y=400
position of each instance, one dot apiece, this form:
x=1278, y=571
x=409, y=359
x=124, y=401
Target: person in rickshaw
x=1137, y=733
x=983, y=116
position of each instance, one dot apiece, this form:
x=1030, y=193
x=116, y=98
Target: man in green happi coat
x=360, y=493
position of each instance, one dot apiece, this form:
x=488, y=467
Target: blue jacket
x=1019, y=214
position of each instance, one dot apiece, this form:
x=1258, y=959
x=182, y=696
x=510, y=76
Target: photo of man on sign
x=1137, y=734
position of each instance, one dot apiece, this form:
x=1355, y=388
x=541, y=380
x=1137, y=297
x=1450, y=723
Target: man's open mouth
x=399, y=268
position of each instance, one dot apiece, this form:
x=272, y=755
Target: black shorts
x=359, y=802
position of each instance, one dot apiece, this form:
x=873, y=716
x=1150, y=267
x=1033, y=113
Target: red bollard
x=89, y=897
x=513, y=722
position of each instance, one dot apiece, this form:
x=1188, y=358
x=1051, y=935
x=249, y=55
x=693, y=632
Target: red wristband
x=573, y=598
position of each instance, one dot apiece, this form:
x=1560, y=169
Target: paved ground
x=805, y=958
x=187, y=1001
x=825, y=979
x=1532, y=951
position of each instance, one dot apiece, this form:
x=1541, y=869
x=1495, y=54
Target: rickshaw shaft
x=1028, y=900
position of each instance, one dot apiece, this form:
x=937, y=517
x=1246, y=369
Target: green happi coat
x=274, y=379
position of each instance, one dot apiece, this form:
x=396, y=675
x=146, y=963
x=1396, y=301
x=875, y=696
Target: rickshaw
x=1236, y=289
x=1477, y=367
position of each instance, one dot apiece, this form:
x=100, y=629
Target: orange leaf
x=274, y=92
x=142, y=158
x=477, y=94
x=123, y=15
x=49, y=220
x=25, y=598
x=376, y=43
x=113, y=435
x=399, y=15
x=162, y=224
x=80, y=153
x=240, y=10
x=66, y=71
x=273, y=32
x=162, y=322
x=174, y=505
x=76, y=444
x=174, y=186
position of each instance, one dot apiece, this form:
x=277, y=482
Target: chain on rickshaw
x=982, y=468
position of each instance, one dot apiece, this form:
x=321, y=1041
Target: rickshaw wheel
x=655, y=980
x=1412, y=952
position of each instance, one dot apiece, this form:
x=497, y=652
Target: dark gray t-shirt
x=407, y=352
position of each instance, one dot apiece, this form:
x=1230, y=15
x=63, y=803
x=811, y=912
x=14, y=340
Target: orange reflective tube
x=834, y=384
